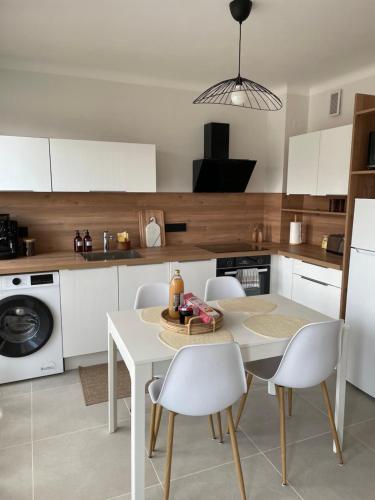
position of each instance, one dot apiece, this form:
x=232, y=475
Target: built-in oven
x=254, y=272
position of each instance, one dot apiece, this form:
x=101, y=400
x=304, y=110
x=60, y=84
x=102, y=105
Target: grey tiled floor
x=54, y=447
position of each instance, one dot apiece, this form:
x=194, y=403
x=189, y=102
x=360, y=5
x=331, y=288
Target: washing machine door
x=26, y=324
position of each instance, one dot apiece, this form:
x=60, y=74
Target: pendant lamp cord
x=239, y=51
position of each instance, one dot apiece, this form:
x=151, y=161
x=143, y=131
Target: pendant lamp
x=240, y=91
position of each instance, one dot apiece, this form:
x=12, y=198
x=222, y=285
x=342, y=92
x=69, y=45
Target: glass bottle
x=87, y=242
x=78, y=242
x=176, y=294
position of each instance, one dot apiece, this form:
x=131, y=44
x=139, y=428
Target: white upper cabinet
x=303, y=163
x=24, y=164
x=79, y=165
x=319, y=162
x=334, y=160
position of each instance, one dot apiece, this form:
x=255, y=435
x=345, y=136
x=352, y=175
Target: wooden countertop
x=56, y=261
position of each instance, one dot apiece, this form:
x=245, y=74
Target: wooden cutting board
x=144, y=219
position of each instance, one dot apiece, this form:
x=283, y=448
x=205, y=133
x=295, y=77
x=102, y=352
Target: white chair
x=201, y=380
x=223, y=287
x=309, y=359
x=152, y=295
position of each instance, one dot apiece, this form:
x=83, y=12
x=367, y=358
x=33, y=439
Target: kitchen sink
x=111, y=255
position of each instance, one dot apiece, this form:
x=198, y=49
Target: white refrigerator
x=360, y=311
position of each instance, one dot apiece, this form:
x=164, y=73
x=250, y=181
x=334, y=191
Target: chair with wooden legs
x=309, y=359
x=152, y=295
x=201, y=380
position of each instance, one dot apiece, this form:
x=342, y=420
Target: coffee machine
x=8, y=237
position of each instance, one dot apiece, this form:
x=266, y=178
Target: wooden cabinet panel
x=195, y=274
x=334, y=161
x=86, y=297
x=102, y=166
x=132, y=277
x=303, y=163
x=24, y=164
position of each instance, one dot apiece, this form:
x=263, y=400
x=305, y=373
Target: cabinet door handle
x=314, y=281
x=317, y=265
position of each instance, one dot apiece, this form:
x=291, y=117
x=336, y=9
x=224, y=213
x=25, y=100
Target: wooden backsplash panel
x=53, y=217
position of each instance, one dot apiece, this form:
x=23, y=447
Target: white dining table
x=145, y=356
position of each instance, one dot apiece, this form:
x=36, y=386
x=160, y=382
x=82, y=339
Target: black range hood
x=216, y=173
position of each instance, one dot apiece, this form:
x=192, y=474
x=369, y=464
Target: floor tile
x=151, y=493
x=15, y=389
x=91, y=464
x=15, y=420
x=359, y=406
x=314, y=472
x=262, y=482
x=365, y=432
x=63, y=410
x=193, y=447
x=53, y=381
x=16, y=473
x=261, y=420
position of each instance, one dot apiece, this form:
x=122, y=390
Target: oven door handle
x=232, y=273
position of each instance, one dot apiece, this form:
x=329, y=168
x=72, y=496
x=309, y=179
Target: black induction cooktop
x=233, y=247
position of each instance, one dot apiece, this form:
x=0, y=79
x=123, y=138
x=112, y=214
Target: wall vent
x=335, y=103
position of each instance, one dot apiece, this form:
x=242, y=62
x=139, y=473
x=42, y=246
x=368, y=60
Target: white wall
x=319, y=101
x=38, y=104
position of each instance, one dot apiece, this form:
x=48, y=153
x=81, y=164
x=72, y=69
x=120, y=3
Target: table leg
x=139, y=377
x=112, y=378
x=341, y=387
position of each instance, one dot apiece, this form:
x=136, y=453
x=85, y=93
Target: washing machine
x=30, y=326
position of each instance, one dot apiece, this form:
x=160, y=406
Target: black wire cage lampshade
x=240, y=91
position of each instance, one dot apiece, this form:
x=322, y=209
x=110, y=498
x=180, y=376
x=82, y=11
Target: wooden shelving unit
x=361, y=181
x=314, y=212
x=363, y=172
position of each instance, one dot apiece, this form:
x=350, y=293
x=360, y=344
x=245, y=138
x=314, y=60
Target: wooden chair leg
x=331, y=421
x=168, y=465
x=236, y=455
x=159, y=411
x=243, y=399
x=290, y=401
x=218, y=417
x=152, y=430
x=212, y=427
x=280, y=394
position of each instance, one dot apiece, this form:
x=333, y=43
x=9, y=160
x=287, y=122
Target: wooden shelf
x=365, y=111
x=363, y=172
x=313, y=212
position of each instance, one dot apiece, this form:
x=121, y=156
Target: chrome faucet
x=106, y=239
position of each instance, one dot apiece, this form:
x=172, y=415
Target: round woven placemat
x=176, y=340
x=274, y=325
x=247, y=304
x=152, y=314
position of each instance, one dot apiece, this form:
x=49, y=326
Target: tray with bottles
x=194, y=325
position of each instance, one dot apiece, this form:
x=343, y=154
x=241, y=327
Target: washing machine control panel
x=18, y=281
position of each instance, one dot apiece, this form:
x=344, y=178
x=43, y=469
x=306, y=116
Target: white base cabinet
x=282, y=275
x=195, y=274
x=86, y=297
x=317, y=295
x=132, y=277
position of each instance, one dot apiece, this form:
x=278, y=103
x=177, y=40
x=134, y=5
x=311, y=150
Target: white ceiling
x=189, y=43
